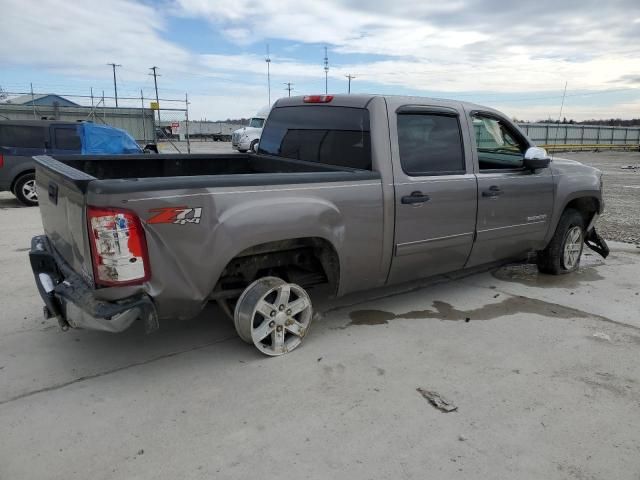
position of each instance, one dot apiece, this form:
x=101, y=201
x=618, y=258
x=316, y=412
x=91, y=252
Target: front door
x=435, y=193
x=514, y=204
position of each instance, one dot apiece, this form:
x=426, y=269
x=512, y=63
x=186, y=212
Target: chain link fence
x=581, y=137
x=164, y=121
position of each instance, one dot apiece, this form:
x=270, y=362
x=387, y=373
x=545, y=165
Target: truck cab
x=246, y=138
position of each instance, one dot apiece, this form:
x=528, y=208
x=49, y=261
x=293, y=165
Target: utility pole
x=155, y=82
x=326, y=71
x=115, y=83
x=288, y=84
x=268, y=60
x=350, y=77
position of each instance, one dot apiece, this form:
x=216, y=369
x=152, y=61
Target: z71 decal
x=175, y=215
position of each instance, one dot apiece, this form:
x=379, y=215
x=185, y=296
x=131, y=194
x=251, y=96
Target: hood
x=248, y=131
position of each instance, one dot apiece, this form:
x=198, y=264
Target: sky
x=514, y=56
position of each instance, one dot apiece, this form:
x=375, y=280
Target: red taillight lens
x=1, y=160
x=317, y=98
x=118, y=247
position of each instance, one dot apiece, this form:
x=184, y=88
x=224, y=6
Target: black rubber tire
x=17, y=189
x=252, y=147
x=242, y=151
x=550, y=259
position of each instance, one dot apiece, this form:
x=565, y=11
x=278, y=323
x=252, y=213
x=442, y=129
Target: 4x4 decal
x=175, y=215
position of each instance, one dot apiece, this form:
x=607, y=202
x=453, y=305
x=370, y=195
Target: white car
x=246, y=138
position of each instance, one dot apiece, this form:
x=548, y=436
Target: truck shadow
x=10, y=202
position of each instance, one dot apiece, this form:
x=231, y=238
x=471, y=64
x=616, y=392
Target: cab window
x=497, y=145
x=67, y=138
x=430, y=144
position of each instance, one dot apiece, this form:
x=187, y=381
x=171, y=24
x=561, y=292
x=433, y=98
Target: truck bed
x=241, y=201
x=120, y=174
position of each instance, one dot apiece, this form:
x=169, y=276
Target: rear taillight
x=118, y=247
x=317, y=98
x=1, y=160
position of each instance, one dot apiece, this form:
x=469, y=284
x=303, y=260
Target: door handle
x=494, y=191
x=415, y=197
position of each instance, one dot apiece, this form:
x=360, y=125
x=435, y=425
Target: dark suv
x=20, y=140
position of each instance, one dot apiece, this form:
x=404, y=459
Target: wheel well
x=17, y=177
x=586, y=206
x=306, y=261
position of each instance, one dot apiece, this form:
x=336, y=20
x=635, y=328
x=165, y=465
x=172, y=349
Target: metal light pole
x=268, y=60
x=115, y=83
x=326, y=71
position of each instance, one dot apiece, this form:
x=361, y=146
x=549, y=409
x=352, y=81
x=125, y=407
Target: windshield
x=329, y=135
x=256, y=122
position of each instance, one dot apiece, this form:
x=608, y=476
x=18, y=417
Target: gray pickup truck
x=357, y=191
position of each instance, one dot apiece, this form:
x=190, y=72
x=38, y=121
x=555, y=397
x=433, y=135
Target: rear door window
x=330, y=135
x=67, y=138
x=15, y=136
x=430, y=144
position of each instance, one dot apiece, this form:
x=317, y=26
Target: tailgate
x=62, y=200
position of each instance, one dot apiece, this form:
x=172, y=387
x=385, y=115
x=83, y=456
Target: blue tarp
x=103, y=139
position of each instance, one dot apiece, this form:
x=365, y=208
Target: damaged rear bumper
x=73, y=302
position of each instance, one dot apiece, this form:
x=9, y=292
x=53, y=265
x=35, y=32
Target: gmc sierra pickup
x=357, y=191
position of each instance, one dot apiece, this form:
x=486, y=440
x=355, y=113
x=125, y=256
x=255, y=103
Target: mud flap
x=596, y=243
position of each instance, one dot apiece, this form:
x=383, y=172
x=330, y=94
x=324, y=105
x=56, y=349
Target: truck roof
x=38, y=123
x=361, y=100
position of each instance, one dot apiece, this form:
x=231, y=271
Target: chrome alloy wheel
x=572, y=248
x=29, y=190
x=273, y=315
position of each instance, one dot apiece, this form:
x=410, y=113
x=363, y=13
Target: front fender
x=570, y=187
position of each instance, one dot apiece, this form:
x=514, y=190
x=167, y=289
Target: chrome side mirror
x=536, y=157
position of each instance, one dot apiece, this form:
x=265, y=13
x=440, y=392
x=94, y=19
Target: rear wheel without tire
x=273, y=315
x=562, y=255
x=25, y=190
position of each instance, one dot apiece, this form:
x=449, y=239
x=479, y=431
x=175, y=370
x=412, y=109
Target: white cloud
x=79, y=38
x=454, y=46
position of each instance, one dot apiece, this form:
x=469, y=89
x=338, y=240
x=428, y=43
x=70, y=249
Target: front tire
x=252, y=147
x=25, y=190
x=562, y=255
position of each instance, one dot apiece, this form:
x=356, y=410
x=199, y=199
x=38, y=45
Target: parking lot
x=543, y=371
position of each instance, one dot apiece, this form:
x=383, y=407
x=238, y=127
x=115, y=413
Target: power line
x=289, y=88
x=115, y=83
x=350, y=77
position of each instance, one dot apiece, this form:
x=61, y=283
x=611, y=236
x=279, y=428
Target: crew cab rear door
x=435, y=190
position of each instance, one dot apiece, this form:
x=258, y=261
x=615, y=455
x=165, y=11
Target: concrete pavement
x=544, y=371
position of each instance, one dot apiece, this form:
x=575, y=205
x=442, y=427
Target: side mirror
x=536, y=157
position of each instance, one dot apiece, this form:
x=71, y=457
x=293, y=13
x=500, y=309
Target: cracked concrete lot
x=544, y=372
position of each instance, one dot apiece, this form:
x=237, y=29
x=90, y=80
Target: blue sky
x=514, y=56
